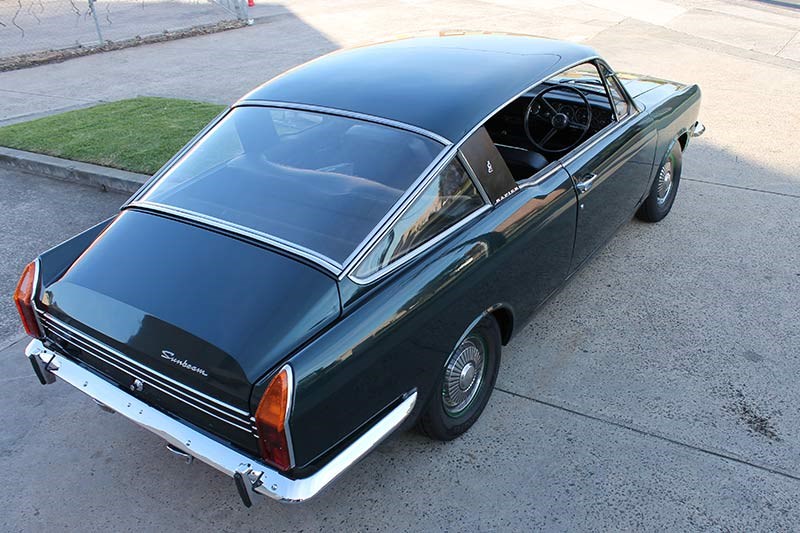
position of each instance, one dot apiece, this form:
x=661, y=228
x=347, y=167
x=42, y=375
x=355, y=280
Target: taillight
x=23, y=296
x=272, y=417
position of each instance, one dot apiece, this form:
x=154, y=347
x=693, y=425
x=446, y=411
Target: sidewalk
x=742, y=54
x=221, y=67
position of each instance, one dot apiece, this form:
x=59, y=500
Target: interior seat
x=521, y=162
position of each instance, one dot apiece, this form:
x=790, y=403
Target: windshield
x=321, y=182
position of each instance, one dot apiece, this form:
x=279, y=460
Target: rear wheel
x=464, y=387
x=659, y=202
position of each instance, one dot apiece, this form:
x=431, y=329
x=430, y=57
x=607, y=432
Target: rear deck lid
x=196, y=314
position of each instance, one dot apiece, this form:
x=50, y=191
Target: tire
x=662, y=194
x=451, y=409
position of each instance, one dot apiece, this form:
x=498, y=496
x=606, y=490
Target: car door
x=533, y=226
x=611, y=172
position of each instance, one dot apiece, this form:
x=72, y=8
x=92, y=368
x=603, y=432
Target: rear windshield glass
x=322, y=182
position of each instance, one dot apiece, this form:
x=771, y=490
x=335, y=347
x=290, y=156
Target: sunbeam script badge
x=170, y=356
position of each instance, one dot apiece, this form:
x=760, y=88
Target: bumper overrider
x=250, y=476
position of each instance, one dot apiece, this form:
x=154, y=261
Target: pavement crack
x=740, y=187
x=647, y=433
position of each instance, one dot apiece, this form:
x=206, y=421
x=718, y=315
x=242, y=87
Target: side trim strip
x=138, y=365
x=152, y=382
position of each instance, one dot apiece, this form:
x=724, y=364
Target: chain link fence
x=29, y=26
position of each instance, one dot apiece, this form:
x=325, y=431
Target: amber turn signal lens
x=22, y=298
x=271, y=421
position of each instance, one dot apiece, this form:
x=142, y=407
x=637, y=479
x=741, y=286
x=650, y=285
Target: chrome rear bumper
x=251, y=477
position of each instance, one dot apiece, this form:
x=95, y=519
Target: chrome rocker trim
x=251, y=477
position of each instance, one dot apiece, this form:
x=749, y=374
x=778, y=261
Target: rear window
x=319, y=181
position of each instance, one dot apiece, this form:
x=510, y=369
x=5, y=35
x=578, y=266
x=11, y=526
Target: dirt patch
x=56, y=56
x=757, y=422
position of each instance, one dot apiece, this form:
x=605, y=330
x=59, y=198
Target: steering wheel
x=544, y=113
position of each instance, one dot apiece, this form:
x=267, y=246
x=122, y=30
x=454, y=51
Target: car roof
x=446, y=85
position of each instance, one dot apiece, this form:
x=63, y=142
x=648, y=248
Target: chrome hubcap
x=664, y=186
x=463, y=376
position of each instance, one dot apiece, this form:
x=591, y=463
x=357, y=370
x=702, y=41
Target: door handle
x=586, y=183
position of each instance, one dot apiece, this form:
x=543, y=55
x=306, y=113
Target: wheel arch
x=683, y=139
x=503, y=314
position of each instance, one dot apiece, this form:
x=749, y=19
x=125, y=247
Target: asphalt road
x=657, y=391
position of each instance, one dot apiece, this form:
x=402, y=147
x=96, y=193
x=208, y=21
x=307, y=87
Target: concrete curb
x=108, y=179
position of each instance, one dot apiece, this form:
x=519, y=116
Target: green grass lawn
x=139, y=135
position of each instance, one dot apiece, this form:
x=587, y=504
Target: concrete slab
x=792, y=49
x=37, y=213
x=748, y=104
x=524, y=466
x=734, y=30
x=654, y=392
x=683, y=328
x=652, y=11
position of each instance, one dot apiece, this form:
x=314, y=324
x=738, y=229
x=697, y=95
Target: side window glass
x=446, y=200
x=620, y=103
x=589, y=80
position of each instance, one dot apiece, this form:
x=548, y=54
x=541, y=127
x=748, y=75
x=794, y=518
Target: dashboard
x=508, y=126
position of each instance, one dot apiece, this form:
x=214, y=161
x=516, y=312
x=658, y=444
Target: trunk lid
x=196, y=314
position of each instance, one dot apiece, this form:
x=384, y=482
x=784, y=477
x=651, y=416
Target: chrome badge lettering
x=170, y=356
x=489, y=167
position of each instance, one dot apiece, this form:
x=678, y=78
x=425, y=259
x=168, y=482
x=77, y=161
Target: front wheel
x=464, y=387
x=659, y=202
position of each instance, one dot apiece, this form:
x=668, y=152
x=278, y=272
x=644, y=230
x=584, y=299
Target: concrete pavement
x=36, y=214
x=656, y=391
x=651, y=393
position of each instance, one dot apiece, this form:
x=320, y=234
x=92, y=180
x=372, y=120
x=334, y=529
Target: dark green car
x=346, y=250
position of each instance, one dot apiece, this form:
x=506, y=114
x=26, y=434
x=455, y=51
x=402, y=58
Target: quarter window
x=446, y=200
x=620, y=103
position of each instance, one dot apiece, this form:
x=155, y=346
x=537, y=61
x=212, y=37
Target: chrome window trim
x=347, y=114
x=323, y=261
x=102, y=346
x=540, y=176
x=330, y=265
x=613, y=74
x=350, y=267
x=174, y=159
x=412, y=193
x=420, y=249
x=590, y=142
x=632, y=108
x=397, y=263
x=390, y=214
